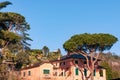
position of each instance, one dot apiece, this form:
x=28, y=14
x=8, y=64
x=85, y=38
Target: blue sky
x=55, y=21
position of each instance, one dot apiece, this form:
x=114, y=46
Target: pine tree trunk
x=92, y=75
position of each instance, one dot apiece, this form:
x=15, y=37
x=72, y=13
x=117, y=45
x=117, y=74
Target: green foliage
x=115, y=74
x=22, y=58
x=54, y=55
x=45, y=51
x=36, y=51
x=90, y=45
x=13, y=17
x=13, y=39
x=10, y=36
x=13, y=26
x=4, y=4
x=111, y=64
x=88, y=42
x=108, y=70
x=35, y=55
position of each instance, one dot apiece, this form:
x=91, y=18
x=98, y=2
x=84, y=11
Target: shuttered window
x=76, y=71
x=46, y=71
x=85, y=72
x=94, y=72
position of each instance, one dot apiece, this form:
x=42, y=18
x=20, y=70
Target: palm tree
x=4, y=4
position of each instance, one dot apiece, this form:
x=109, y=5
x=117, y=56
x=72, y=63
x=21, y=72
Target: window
x=61, y=73
x=23, y=74
x=46, y=71
x=85, y=72
x=85, y=62
x=76, y=61
x=60, y=63
x=29, y=73
x=55, y=74
x=76, y=71
x=94, y=72
x=101, y=73
x=63, y=63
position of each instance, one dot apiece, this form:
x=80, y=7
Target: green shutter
x=76, y=71
x=85, y=72
x=46, y=71
x=94, y=72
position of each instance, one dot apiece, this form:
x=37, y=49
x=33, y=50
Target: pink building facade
x=67, y=68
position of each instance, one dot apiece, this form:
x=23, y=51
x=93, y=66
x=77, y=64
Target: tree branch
x=96, y=58
x=10, y=26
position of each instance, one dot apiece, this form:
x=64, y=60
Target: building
x=72, y=67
